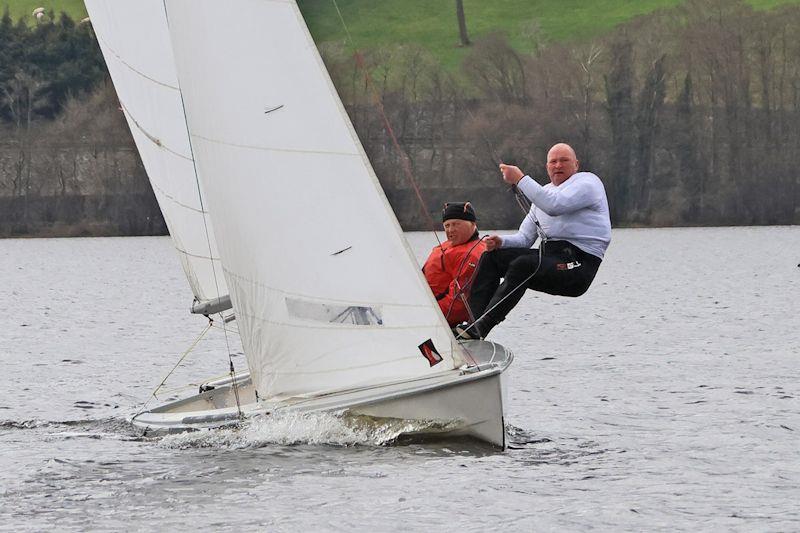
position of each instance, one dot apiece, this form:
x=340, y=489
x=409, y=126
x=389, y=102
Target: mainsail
x=327, y=294
x=135, y=42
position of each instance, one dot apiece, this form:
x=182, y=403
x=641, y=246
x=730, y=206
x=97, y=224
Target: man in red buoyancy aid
x=450, y=266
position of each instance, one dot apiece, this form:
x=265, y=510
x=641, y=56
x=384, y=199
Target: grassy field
x=432, y=23
x=24, y=8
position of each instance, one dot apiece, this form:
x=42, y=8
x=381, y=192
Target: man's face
x=561, y=164
x=459, y=231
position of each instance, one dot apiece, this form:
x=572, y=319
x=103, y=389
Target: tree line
x=67, y=162
x=42, y=65
x=690, y=116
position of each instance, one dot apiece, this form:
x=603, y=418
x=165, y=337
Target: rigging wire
x=154, y=394
x=461, y=292
x=522, y=200
x=234, y=385
x=196, y=177
x=205, y=227
x=521, y=284
x=528, y=208
x=404, y=158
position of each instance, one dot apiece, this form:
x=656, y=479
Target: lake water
x=667, y=397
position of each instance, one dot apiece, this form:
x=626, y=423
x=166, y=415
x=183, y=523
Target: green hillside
x=24, y=8
x=432, y=23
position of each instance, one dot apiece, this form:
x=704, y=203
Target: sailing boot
x=468, y=332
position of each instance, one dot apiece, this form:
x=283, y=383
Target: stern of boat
x=471, y=403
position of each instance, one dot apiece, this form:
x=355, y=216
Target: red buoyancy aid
x=441, y=268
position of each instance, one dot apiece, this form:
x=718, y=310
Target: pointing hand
x=511, y=174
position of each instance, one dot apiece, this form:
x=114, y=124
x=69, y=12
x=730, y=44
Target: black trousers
x=565, y=270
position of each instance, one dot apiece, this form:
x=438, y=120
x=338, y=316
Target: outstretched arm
x=568, y=197
x=554, y=200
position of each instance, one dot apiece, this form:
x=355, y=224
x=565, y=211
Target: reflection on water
x=665, y=398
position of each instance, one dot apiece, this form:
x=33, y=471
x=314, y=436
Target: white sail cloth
x=135, y=43
x=326, y=291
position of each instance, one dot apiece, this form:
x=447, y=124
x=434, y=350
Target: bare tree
x=648, y=110
x=497, y=70
x=588, y=62
x=619, y=84
x=462, y=24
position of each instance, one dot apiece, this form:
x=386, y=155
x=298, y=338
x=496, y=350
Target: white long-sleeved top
x=575, y=211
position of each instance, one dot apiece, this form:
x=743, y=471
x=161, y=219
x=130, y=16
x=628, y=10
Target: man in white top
x=575, y=228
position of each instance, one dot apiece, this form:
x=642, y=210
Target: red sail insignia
x=429, y=351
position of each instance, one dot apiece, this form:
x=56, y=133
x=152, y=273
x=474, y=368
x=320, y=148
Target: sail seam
x=271, y=149
x=131, y=68
x=175, y=201
x=317, y=298
x=158, y=143
x=337, y=326
x=405, y=356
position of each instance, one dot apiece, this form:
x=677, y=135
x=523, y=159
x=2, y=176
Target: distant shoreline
x=84, y=230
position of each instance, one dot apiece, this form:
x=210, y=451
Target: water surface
x=665, y=398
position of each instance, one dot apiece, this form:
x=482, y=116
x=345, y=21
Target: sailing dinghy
x=239, y=125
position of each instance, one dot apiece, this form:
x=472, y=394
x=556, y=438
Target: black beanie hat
x=461, y=210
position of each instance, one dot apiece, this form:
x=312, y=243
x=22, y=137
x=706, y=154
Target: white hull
x=466, y=402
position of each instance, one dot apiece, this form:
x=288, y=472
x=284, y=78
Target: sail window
x=357, y=315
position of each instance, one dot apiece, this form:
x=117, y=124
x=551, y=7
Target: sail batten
x=308, y=220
